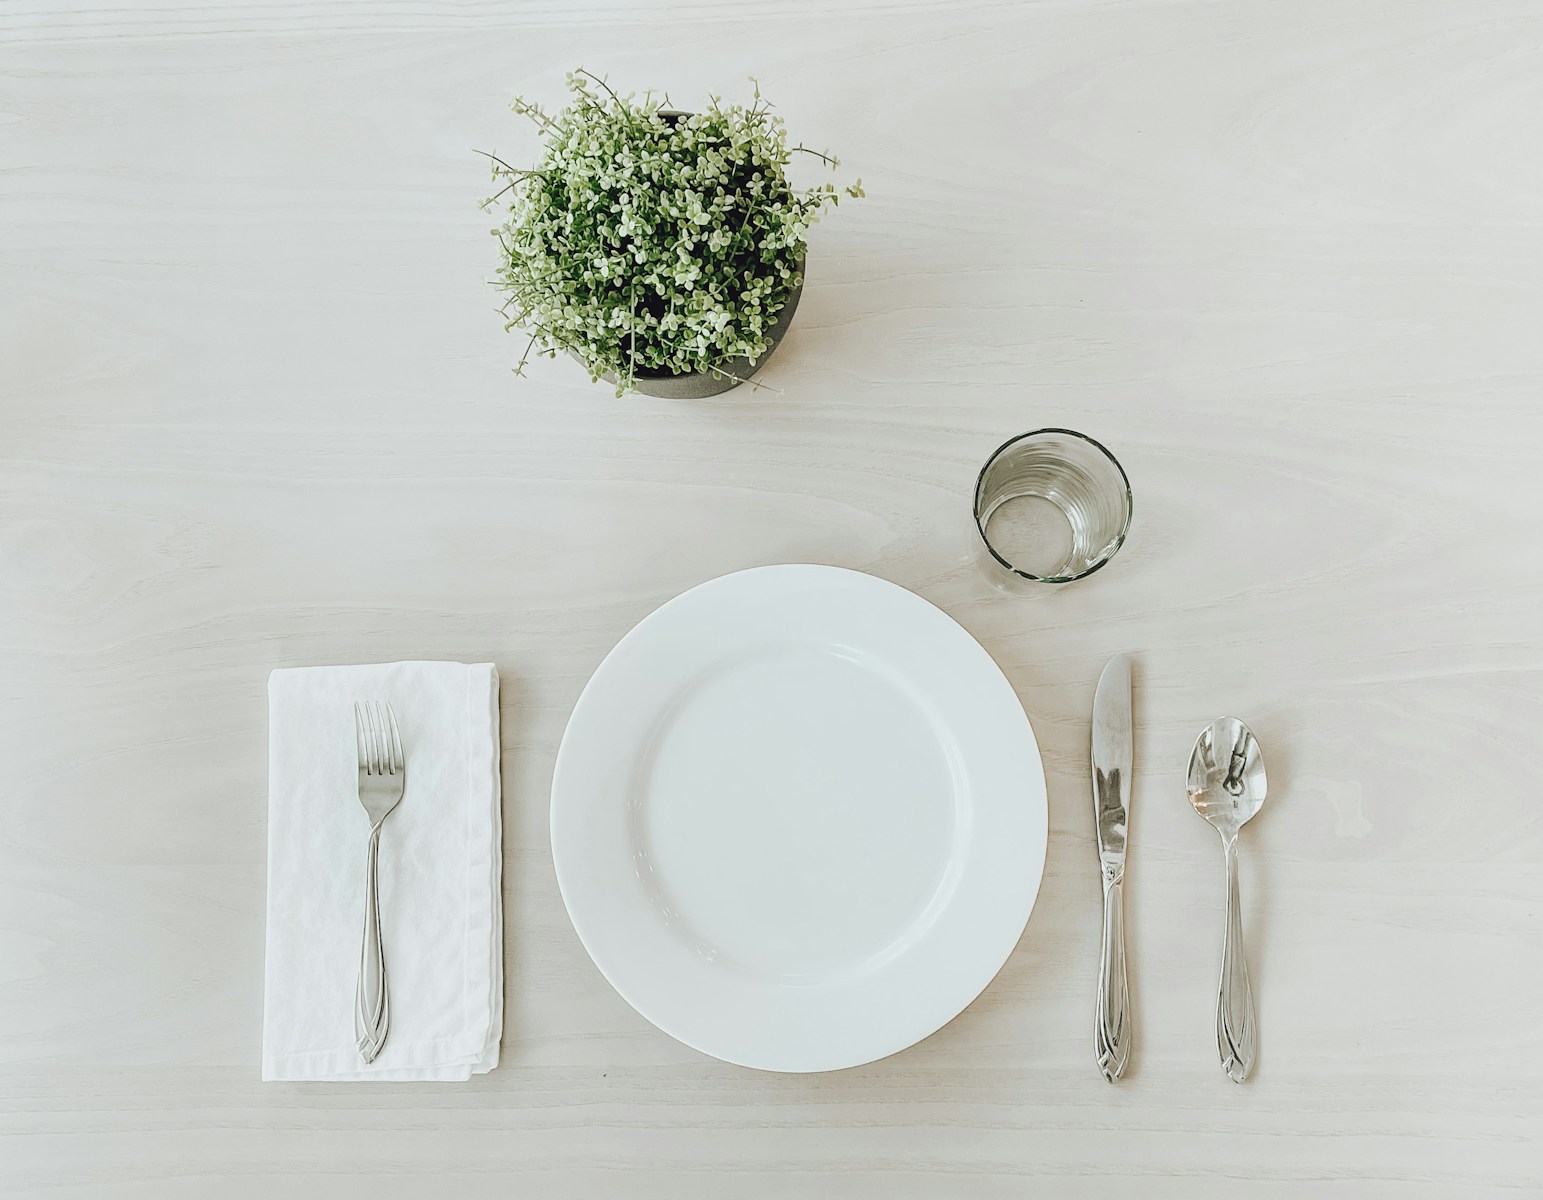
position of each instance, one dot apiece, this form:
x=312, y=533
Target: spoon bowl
x=1226, y=776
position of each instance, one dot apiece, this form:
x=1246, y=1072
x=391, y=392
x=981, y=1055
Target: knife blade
x=1112, y=755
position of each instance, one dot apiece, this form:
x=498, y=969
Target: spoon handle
x=1236, y=1029
x=1112, y=1034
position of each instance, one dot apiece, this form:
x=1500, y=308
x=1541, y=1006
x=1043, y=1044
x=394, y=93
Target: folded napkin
x=440, y=858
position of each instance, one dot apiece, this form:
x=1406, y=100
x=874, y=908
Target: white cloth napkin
x=440, y=859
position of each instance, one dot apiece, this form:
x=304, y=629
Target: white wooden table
x=255, y=410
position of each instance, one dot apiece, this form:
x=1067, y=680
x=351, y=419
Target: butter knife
x=1111, y=802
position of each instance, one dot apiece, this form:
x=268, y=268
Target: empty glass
x=1052, y=506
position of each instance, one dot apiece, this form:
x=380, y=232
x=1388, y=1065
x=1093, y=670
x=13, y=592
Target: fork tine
x=397, y=763
x=377, y=739
x=359, y=737
x=363, y=709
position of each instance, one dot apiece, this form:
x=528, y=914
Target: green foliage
x=650, y=243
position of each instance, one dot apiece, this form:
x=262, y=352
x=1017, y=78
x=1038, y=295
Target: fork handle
x=371, y=1011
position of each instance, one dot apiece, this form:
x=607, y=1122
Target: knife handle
x=1113, y=1034
x=1236, y=1027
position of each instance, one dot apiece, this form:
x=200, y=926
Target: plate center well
x=797, y=815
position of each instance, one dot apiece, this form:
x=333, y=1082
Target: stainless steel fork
x=382, y=776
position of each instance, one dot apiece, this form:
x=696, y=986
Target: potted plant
x=662, y=249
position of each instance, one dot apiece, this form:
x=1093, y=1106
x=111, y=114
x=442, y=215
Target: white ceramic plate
x=799, y=818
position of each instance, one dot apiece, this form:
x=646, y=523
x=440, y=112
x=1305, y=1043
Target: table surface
x=256, y=411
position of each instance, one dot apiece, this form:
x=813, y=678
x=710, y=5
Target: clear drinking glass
x=1051, y=506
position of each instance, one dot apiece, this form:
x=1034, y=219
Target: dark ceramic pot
x=699, y=384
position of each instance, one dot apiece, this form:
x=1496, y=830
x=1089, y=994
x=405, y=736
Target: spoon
x=1227, y=786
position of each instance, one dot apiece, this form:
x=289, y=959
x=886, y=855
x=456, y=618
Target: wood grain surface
x=256, y=410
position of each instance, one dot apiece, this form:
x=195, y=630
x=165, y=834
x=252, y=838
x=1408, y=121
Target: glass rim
x=1113, y=547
